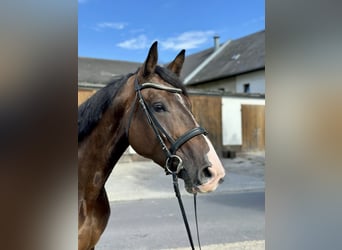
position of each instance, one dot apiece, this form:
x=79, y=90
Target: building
x=236, y=66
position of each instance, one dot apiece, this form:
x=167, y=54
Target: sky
x=125, y=29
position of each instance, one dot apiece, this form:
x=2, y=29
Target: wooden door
x=208, y=112
x=83, y=95
x=253, y=127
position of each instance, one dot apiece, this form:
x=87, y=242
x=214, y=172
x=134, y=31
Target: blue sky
x=125, y=29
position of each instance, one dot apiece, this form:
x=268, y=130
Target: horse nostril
x=205, y=175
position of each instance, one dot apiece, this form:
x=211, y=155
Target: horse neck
x=101, y=150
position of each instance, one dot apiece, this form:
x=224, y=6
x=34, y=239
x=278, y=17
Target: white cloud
x=187, y=40
x=140, y=42
x=110, y=25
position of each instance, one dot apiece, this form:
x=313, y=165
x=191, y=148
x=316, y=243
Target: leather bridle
x=173, y=163
x=159, y=131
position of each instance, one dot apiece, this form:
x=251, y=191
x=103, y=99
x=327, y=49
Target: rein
x=173, y=164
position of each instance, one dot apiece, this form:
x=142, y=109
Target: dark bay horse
x=151, y=111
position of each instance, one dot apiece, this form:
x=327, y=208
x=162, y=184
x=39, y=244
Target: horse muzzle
x=209, y=179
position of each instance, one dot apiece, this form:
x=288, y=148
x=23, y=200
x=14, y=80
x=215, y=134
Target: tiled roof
x=239, y=56
x=92, y=70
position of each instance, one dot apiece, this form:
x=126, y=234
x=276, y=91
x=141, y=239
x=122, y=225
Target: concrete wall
x=255, y=79
x=231, y=118
x=235, y=84
x=228, y=84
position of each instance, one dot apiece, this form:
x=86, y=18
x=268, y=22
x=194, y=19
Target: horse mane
x=91, y=111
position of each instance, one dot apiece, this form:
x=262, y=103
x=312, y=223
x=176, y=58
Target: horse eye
x=158, y=107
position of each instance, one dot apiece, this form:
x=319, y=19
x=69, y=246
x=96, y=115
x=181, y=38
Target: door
x=253, y=127
x=208, y=112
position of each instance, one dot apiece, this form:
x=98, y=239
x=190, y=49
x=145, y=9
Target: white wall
x=235, y=84
x=255, y=79
x=228, y=84
x=231, y=118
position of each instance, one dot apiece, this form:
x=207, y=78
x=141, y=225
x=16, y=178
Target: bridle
x=173, y=163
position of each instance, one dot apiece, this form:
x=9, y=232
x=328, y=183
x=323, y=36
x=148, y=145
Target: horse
x=149, y=110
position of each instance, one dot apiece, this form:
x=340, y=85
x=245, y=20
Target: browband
x=157, y=86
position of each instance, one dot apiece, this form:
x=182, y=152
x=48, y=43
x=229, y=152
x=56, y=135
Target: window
x=246, y=88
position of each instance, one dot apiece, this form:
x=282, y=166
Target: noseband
x=173, y=163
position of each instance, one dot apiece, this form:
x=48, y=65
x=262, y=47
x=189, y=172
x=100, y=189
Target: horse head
x=162, y=127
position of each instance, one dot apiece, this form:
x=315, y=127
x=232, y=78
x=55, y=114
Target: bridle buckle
x=173, y=164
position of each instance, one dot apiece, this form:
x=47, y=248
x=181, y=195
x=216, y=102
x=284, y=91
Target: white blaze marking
x=214, y=159
x=180, y=99
x=217, y=171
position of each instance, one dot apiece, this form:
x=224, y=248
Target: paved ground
x=144, y=179
x=243, y=245
x=146, y=182
x=225, y=219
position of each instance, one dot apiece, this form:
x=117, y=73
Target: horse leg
x=93, y=218
x=101, y=215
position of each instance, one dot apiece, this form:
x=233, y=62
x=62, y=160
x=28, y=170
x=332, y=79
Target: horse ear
x=176, y=65
x=151, y=61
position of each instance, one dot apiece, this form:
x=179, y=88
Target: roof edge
x=225, y=76
x=87, y=85
x=205, y=63
x=108, y=60
x=224, y=93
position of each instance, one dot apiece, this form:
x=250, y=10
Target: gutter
x=226, y=76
